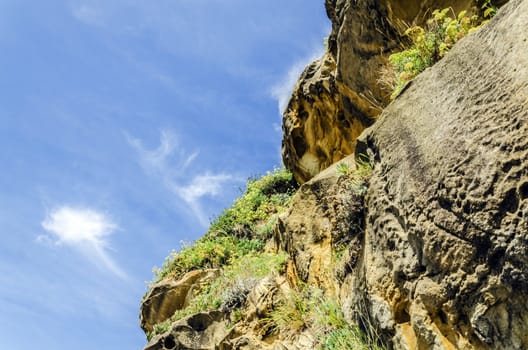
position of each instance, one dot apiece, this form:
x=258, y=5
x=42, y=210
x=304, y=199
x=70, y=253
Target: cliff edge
x=419, y=240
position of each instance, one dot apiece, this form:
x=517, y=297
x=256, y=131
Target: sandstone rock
x=338, y=96
x=215, y=329
x=324, y=217
x=436, y=255
x=167, y=296
x=446, y=240
x=198, y=332
x=320, y=126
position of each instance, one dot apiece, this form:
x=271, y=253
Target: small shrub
x=264, y=197
x=291, y=313
x=159, y=328
x=343, y=169
x=266, y=230
x=361, y=176
x=344, y=338
x=309, y=308
x=488, y=9
x=431, y=43
x=206, y=253
x=358, y=176
x=335, y=333
x=229, y=291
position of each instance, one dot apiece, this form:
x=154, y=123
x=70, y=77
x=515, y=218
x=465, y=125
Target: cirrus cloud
x=171, y=163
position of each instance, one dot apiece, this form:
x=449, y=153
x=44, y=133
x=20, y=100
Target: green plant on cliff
x=206, y=253
x=358, y=175
x=238, y=231
x=343, y=169
x=488, y=9
x=308, y=308
x=263, y=197
x=431, y=43
x=228, y=292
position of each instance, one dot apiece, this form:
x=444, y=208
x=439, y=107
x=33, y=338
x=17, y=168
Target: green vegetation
x=228, y=292
x=343, y=169
x=431, y=43
x=263, y=197
x=358, y=176
x=240, y=230
x=310, y=309
x=207, y=253
x=234, y=243
x=488, y=9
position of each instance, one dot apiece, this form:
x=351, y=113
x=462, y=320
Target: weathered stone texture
x=435, y=256
x=338, y=96
x=166, y=297
x=446, y=243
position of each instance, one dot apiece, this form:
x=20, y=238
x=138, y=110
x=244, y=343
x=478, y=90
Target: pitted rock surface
x=202, y=331
x=445, y=261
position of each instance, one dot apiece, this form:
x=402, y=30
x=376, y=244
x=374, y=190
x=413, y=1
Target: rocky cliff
x=339, y=95
x=421, y=245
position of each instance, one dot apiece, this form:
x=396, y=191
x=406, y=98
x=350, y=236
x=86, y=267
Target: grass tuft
x=308, y=308
x=430, y=43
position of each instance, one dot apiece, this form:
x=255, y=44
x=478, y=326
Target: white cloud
x=171, y=162
x=77, y=226
x=169, y=154
x=84, y=229
x=202, y=186
x=283, y=89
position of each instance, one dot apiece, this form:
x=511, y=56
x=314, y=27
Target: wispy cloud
x=168, y=155
x=283, y=89
x=171, y=163
x=84, y=229
x=202, y=186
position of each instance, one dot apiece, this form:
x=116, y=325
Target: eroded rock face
x=436, y=255
x=338, y=96
x=326, y=219
x=168, y=296
x=198, y=332
x=216, y=330
x=445, y=260
x=320, y=126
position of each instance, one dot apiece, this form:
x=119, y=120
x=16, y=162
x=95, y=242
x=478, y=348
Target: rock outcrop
x=430, y=251
x=445, y=261
x=338, y=96
x=168, y=296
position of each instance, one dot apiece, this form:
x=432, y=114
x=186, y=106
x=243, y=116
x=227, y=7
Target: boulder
x=203, y=331
x=166, y=297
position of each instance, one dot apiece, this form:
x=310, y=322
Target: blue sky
x=125, y=126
